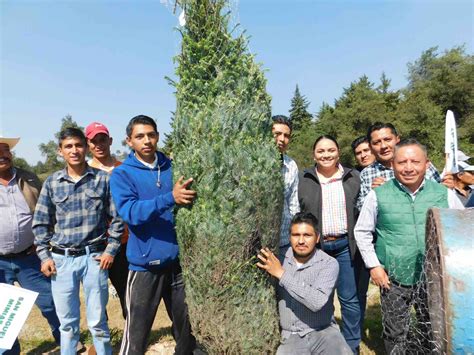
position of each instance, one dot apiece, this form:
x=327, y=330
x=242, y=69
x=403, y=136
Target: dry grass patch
x=36, y=338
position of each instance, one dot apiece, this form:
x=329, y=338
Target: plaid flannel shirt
x=375, y=170
x=305, y=293
x=291, y=205
x=76, y=214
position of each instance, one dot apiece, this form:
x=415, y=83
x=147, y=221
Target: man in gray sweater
x=305, y=291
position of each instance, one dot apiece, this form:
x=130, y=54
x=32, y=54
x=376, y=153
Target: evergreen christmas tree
x=221, y=137
x=299, y=115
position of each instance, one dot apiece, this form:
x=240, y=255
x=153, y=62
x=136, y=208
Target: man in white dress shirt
x=281, y=131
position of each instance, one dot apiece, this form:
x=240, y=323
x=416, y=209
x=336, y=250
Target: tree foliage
x=299, y=115
x=303, y=131
x=437, y=82
x=50, y=149
x=221, y=137
x=21, y=163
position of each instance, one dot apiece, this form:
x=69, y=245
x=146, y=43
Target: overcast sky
x=106, y=60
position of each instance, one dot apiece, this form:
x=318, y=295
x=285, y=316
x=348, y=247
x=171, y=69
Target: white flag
x=451, y=144
x=182, y=19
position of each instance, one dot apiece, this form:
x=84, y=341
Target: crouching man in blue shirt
x=305, y=290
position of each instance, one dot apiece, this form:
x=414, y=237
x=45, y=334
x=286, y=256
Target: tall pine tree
x=221, y=137
x=299, y=115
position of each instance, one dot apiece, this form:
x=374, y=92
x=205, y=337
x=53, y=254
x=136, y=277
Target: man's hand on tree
x=182, y=195
x=48, y=268
x=270, y=263
x=380, y=277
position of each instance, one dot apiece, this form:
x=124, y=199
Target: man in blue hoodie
x=143, y=191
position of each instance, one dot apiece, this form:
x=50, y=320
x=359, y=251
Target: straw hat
x=11, y=142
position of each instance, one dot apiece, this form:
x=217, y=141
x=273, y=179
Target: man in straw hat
x=19, y=190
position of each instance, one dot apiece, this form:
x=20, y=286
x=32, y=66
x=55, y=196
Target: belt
x=30, y=250
x=78, y=251
x=331, y=238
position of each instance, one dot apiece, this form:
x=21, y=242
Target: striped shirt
x=334, y=215
x=305, y=293
x=291, y=205
x=74, y=214
x=377, y=169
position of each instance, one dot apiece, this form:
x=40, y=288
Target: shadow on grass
x=156, y=335
x=41, y=347
x=372, y=335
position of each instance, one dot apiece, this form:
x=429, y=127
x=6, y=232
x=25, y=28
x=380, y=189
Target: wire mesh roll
x=449, y=270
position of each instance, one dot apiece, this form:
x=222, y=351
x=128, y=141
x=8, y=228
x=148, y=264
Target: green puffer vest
x=400, y=228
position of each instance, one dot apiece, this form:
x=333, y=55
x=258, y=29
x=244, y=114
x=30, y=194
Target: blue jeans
x=362, y=280
x=346, y=291
x=71, y=271
x=26, y=271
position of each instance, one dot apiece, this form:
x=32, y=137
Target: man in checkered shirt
x=306, y=278
x=383, y=137
x=281, y=131
x=76, y=243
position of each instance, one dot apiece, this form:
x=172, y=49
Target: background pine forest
x=437, y=81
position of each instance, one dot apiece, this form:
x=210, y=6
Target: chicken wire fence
x=425, y=311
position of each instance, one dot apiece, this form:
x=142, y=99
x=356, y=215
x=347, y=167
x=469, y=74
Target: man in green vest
x=396, y=213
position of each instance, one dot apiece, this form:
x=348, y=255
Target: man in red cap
x=99, y=142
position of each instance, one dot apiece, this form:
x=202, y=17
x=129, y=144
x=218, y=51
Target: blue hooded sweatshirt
x=144, y=200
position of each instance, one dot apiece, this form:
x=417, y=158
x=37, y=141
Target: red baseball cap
x=95, y=128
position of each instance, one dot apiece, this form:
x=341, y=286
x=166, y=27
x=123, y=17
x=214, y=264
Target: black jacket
x=309, y=196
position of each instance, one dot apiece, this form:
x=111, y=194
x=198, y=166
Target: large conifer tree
x=299, y=115
x=221, y=137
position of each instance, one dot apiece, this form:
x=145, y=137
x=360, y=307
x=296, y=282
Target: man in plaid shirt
x=76, y=243
x=383, y=137
x=281, y=131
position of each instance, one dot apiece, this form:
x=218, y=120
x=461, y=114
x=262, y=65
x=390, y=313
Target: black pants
x=401, y=337
x=362, y=275
x=144, y=292
x=118, y=274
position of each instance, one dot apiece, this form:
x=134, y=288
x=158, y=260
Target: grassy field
x=36, y=338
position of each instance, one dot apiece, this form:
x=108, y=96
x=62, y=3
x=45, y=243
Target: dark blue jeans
x=346, y=291
x=26, y=271
x=362, y=279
